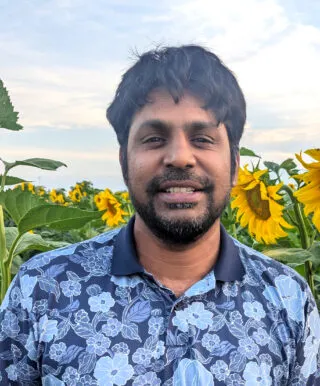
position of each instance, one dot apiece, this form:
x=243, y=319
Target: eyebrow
x=161, y=125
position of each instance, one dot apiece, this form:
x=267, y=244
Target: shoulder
x=276, y=285
x=47, y=274
x=74, y=254
x=265, y=269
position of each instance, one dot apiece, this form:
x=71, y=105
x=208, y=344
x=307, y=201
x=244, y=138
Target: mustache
x=177, y=174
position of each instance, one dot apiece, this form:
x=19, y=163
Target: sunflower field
x=274, y=208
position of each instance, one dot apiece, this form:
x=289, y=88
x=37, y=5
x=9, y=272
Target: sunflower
x=41, y=191
x=56, y=198
x=125, y=196
x=309, y=194
x=113, y=215
x=77, y=193
x=26, y=186
x=258, y=207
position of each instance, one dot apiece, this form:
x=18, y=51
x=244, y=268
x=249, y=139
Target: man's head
x=178, y=114
x=179, y=69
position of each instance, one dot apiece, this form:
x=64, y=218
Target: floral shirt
x=89, y=314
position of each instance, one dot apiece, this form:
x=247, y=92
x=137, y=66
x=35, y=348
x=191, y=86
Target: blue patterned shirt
x=89, y=314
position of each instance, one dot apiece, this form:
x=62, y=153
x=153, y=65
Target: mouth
x=187, y=187
x=180, y=192
x=178, y=189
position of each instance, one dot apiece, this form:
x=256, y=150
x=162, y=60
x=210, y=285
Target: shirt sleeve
x=18, y=345
x=307, y=366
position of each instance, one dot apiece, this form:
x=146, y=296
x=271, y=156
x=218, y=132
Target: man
x=170, y=299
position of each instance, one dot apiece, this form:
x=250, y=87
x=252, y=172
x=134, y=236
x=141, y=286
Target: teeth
x=180, y=190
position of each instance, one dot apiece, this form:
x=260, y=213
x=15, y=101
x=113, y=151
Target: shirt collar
x=125, y=260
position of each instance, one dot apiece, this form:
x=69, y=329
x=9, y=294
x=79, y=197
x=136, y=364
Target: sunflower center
x=260, y=207
x=111, y=209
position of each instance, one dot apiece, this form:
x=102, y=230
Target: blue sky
x=62, y=60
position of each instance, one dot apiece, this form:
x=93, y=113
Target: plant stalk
x=3, y=257
x=304, y=237
x=3, y=181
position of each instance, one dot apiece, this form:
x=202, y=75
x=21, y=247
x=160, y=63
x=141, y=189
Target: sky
x=61, y=61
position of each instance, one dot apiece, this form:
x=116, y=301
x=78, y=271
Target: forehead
x=162, y=106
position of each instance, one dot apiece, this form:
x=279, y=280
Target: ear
x=236, y=171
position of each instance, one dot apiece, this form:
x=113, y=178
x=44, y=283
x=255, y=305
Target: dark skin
x=184, y=135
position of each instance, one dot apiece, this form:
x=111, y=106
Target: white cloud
x=29, y=152
x=63, y=97
x=232, y=28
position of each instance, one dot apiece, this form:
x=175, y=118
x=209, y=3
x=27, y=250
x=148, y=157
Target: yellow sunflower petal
x=272, y=191
x=314, y=153
x=259, y=173
x=312, y=165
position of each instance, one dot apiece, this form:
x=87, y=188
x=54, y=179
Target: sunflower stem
x=300, y=218
x=3, y=181
x=304, y=236
x=3, y=255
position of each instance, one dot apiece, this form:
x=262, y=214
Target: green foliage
x=30, y=241
x=29, y=211
x=10, y=180
x=40, y=163
x=247, y=152
x=8, y=117
x=291, y=256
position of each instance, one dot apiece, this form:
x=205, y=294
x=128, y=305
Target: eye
x=153, y=140
x=206, y=140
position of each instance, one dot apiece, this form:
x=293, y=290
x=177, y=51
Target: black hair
x=188, y=68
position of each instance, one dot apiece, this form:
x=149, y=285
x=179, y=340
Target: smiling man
x=171, y=299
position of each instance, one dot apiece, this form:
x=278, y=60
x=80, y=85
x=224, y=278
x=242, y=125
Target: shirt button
x=179, y=306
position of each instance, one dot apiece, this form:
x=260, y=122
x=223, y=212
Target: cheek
x=137, y=171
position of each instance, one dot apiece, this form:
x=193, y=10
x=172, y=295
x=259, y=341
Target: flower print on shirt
x=192, y=372
x=147, y=379
x=113, y=371
x=287, y=295
x=254, y=310
x=195, y=314
x=220, y=370
x=257, y=375
x=102, y=302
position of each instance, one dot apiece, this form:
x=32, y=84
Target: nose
x=179, y=153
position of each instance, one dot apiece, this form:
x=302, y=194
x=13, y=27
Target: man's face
x=178, y=167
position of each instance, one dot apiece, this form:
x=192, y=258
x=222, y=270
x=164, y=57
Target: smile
x=177, y=189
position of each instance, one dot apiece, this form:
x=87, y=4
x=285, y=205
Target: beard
x=178, y=231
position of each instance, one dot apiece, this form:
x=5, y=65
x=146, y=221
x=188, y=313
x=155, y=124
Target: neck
x=177, y=267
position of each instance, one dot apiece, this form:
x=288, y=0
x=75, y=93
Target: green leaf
x=288, y=164
x=247, y=152
x=315, y=250
x=41, y=163
x=17, y=203
x=9, y=180
x=272, y=166
x=29, y=211
x=293, y=172
x=290, y=256
x=30, y=241
x=301, y=270
x=56, y=217
x=16, y=262
x=11, y=234
x=316, y=278
x=8, y=117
